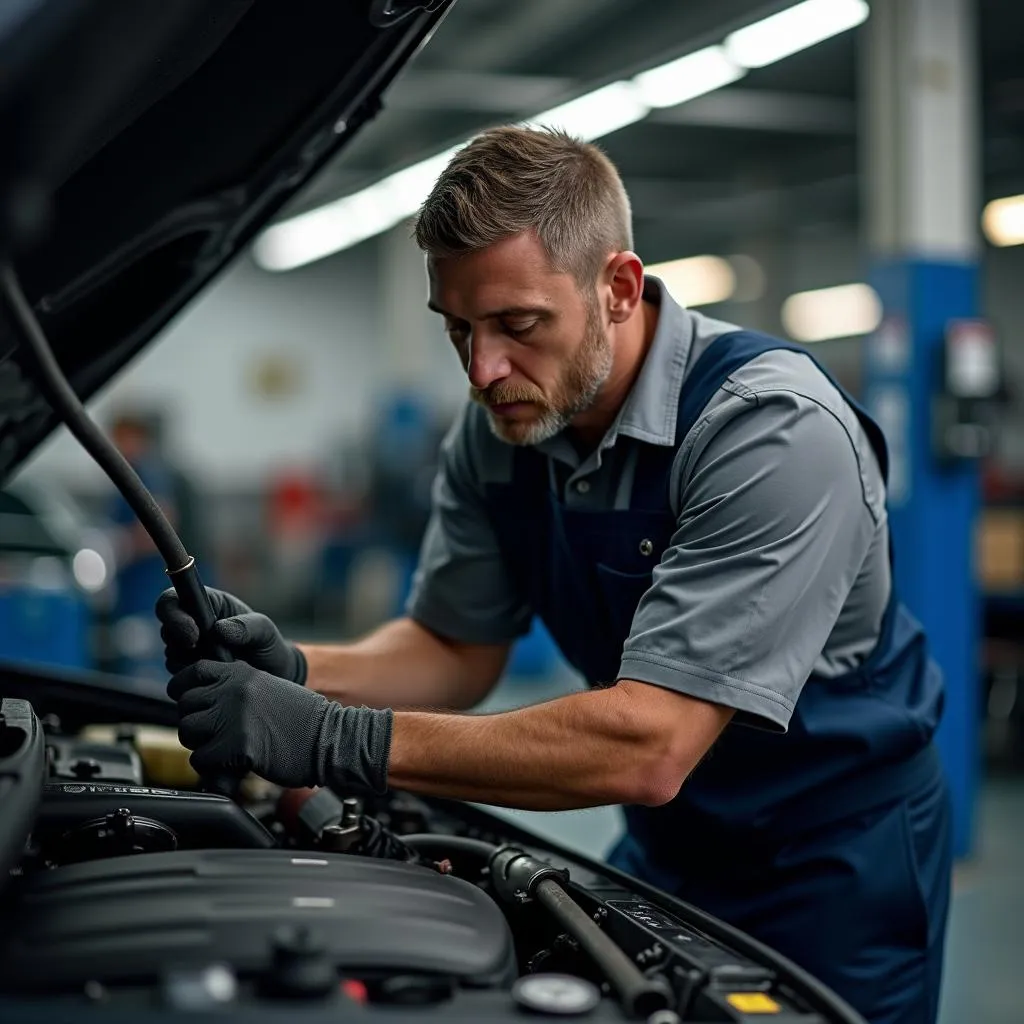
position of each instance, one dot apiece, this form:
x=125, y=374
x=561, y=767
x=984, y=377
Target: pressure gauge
x=560, y=994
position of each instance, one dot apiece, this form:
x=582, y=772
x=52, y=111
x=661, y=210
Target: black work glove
x=238, y=719
x=249, y=636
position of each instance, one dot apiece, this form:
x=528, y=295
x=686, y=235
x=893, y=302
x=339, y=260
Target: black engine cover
x=128, y=919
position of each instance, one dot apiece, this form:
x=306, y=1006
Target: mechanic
x=696, y=512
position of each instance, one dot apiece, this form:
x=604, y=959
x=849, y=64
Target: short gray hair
x=509, y=180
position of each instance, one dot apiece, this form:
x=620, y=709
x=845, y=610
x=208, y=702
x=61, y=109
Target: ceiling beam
x=517, y=29
x=763, y=110
x=477, y=91
x=708, y=207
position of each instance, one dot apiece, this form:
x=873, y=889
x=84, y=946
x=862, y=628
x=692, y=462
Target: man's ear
x=624, y=280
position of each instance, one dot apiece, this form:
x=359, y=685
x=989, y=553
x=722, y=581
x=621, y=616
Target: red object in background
x=295, y=505
x=355, y=990
x=1000, y=486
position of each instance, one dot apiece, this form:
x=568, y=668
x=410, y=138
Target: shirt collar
x=650, y=410
x=652, y=406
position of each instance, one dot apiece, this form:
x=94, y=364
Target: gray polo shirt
x=779, y=565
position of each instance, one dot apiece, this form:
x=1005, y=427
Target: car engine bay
x=124, y=890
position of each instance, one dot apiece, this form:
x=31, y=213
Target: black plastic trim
x=22, y=767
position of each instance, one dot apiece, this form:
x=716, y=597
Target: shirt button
x=582, y=486
x=646, y=548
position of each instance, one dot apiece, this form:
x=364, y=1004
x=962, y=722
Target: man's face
x=131, y=440
x=535, y=350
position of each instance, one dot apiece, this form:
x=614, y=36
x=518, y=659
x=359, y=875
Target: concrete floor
x=985, y=947
x=984, y=977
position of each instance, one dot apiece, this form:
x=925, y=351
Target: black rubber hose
x=438, y=845
x=67, y=405
x=181, y=567
x=639, y=995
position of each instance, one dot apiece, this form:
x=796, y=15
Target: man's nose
x=488, y=363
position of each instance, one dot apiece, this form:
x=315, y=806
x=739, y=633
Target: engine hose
x=67, y=405
x=181, y=567
x=440, y=845
x=518, y=877
x=378, y=841
x=640, y=996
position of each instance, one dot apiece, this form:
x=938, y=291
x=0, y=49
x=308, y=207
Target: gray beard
x=585, y=381
x=550, y=423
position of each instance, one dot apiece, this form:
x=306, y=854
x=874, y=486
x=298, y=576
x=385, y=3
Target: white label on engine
x=313, y=902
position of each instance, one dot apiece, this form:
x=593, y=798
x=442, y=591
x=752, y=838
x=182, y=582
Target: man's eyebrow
x=497, y=314
x=501, y=314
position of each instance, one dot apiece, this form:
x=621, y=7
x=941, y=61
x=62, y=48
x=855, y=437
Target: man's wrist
x=353, y=749
x=324, y=670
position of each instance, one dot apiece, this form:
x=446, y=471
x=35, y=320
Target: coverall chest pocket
x=625, y=566
x=621, y=592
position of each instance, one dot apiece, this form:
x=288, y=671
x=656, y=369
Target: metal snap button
x=646, y=548
x=582, y=486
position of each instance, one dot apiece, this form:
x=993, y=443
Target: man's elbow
x=657, y=784
x=670, y=733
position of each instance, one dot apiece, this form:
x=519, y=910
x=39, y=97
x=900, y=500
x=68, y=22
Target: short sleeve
x=461, y=588
x=774, y=526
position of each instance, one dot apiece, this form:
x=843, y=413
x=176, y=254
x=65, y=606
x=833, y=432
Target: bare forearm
x=583, y=750
x=403, y=664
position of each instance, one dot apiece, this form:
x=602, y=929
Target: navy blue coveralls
x=830, y=842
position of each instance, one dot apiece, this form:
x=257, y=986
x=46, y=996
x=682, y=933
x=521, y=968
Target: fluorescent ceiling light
x=346, y=222
x=325, y=230
x=793, y=29
x=698, y=280
x=690, y=76
x=1003, y=221
x=596, y=113
x=845, y=311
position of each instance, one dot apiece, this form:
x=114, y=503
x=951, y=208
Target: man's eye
x=520, y=330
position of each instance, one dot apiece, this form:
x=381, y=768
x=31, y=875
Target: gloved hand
x=237, y=719
x=249, y=636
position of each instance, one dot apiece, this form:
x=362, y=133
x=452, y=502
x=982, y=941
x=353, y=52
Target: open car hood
x=146, y=142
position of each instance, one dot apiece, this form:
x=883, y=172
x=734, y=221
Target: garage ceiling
x=777, y=150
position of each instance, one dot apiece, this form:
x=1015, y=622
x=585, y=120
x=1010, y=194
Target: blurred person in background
x=697, y=514
x=402, y=462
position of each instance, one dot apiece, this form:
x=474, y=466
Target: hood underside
x=146, y=142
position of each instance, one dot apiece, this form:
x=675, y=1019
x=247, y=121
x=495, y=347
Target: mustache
x=505, y=394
